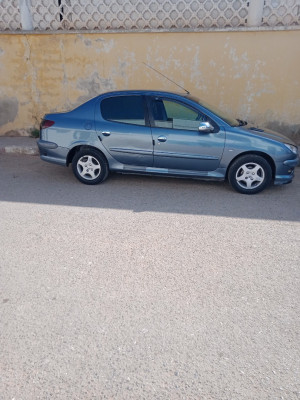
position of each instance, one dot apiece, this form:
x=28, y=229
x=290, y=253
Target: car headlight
x=294, y=149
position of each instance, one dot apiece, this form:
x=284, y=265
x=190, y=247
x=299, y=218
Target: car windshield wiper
x=242, y=123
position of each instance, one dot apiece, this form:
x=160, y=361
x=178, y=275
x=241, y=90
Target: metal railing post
x=26, y=17
x=255, y=12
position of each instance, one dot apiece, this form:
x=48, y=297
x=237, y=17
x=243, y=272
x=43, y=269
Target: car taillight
x=46, y=123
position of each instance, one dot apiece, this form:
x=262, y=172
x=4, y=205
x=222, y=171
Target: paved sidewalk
x=18, y=145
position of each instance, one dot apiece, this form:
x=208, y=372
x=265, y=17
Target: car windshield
x=231, y=121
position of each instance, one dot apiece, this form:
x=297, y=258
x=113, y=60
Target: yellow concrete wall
x=252, y=75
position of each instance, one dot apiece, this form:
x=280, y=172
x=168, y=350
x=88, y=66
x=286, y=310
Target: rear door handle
x=162, y=139
x=105, y=133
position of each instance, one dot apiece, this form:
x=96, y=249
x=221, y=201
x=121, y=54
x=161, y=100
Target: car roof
x=145, y=91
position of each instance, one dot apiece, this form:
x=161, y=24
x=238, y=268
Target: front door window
x=173, y=115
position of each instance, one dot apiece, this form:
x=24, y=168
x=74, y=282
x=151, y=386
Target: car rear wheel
x=250, y=174
x=90, y=167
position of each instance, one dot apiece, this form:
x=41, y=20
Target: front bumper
x=287, y=172
x=292, y=163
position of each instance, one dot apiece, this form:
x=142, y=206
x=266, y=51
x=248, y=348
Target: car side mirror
x=205, y=127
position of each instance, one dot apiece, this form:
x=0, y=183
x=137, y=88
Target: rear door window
x=124, y=109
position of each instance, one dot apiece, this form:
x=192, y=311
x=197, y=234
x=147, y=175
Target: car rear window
x=124, y=109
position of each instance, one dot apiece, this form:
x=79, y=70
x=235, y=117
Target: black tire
x=90, y=166
x=250, y=174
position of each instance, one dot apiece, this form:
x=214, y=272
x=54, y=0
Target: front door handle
x=162, y=139
x=105, y=133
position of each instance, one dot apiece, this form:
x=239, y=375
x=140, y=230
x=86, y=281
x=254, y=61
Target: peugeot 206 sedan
x=162, y=133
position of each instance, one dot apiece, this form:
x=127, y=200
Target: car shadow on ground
x=27, y=179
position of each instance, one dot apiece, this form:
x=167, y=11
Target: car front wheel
x=250, y=174
x=89, y=166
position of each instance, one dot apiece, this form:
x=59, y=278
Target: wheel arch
x=75, y=149
x=257, y=153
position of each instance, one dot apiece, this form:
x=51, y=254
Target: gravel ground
x=146, y=288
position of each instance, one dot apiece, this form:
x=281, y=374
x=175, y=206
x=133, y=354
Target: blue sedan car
x=162, y=133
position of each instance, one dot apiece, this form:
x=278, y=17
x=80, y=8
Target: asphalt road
x=146, y=288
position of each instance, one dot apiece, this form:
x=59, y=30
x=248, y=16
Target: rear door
x=178, y=144
x=124, y=130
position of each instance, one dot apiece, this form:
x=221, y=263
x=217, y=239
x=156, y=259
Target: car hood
x=267, y=133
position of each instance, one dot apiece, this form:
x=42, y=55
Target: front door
x=178, y=144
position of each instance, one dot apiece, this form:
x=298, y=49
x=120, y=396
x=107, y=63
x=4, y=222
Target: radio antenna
x=181, y=87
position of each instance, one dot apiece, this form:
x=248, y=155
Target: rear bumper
x=52, y=153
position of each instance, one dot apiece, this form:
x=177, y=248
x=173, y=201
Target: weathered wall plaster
x=252, y=75
x=8, y=109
